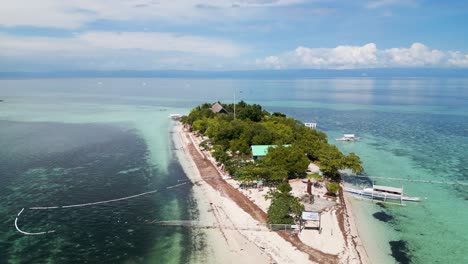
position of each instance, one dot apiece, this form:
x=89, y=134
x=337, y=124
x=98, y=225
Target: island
x=284, y=175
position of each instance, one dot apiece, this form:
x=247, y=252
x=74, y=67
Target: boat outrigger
x=383, y=193
x=348, y=137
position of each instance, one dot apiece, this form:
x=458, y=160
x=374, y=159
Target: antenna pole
x=234, y=103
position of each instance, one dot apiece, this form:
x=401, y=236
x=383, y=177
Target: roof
x=310, y=216
x=216, y=108
x=388, y=189
x=262, y=150
x=311, y=125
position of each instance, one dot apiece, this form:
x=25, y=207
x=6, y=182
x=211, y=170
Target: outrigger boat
x=175, y=116
x=383, y=193
x=348, y=137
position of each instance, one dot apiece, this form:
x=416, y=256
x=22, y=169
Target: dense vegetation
x=230, y=139
x=284, y=207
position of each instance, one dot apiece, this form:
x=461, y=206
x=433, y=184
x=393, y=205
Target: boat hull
x=382, y=196
x=347, y=139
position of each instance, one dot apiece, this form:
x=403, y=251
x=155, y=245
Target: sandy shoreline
x=239, y=217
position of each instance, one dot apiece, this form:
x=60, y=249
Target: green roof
x=262, y=150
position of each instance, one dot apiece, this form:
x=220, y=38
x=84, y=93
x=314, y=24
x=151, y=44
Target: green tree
x=284, y=187
x=252, y=112
x=292, y=159
x=255, y=126
x=260, y=171
x=333, y=187
x=353, y=162
x=284, y=207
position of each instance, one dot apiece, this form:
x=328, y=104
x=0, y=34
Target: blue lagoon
x=66, y=141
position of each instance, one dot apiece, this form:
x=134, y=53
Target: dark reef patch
x=383, y=216
x=400, y=251
x=58, y=164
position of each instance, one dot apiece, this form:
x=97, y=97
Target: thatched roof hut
x=217, y=108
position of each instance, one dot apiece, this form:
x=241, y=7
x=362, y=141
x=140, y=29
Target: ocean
x=74, y=141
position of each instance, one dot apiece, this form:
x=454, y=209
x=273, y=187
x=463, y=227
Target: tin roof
x=262, y=150
x=217, y=108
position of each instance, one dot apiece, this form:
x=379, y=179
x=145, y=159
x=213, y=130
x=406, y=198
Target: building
x=260, y=151
x=311, y=125
x=310, y=220
x=218, y=108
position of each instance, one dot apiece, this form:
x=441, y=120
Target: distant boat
x=175, y=116
x=348, y=137
x=383, y=193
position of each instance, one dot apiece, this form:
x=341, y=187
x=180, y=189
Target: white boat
x=348, y=137
x=383, y=193
x=175, y=116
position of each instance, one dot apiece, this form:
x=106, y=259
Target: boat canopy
x=349, y=135
x=388, y=189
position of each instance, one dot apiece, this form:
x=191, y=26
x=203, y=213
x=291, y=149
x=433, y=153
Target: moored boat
x=384, y=193
x=175, y=116
x=348, y=137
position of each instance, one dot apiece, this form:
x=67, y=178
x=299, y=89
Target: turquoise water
x=55, y=152
x=410, y=128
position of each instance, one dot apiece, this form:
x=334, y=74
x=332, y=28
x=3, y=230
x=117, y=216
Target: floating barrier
x=29, y=233
x=177, y=185
x=82, y=205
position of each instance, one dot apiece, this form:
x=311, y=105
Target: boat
x=383, y=193
x=348, y=137
x=175, y=116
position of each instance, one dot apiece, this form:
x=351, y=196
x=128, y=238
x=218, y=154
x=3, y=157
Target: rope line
x=29, y=233
x=81, y=205
x=177, y=185
x=88, y=204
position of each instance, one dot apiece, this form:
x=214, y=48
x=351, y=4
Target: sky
x=55, y=35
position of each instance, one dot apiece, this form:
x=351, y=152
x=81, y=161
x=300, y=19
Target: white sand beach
x=233, y=234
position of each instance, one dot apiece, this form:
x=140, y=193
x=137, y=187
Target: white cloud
x=110, y=50
x=386, y=3
x=416, y=55
x=367, y=56
x=97, y=41
x=458, y=59
x=73, y=14
x=272, y=62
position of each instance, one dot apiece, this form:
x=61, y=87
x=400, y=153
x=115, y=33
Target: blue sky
x=51, y=35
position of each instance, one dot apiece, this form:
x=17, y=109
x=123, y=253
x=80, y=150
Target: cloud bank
x=366, y=56
x=113, y=50
x=74, y=14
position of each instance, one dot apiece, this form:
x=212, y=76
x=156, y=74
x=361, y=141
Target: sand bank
x=238, y=217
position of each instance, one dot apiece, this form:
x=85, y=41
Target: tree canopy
x=231, y=139
x=284, y=207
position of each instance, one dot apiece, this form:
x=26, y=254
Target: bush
x=333, y=187
x=315, y=176
x=284, y=188
x=284, y=207
x=204, y=144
